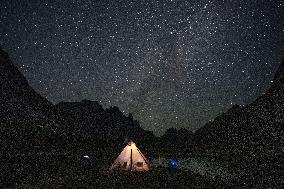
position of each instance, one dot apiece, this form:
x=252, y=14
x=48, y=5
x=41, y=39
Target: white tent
x=130, y=159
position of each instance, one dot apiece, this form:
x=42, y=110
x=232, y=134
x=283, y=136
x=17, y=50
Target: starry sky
x=172, y=63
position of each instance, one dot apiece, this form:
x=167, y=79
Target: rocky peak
x=10, y=77
x=17, y=98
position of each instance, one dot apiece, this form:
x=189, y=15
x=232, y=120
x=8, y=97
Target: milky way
x=171, y=63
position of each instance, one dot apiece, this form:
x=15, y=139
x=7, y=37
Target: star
x=150, y=58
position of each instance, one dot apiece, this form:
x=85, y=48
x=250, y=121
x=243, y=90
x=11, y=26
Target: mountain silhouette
x=176, y=137
x=17, y=99
x=89, y=118
x=29, y=121
x=251, y=137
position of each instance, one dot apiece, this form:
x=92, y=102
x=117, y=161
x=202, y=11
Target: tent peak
x=130, y=143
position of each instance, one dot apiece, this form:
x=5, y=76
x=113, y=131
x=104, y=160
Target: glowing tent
x=131, y=159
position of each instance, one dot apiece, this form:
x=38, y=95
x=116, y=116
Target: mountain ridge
x=17, y=99
x=28, y=119
x=250, y=137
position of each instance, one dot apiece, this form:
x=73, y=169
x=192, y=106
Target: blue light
x=172, y=164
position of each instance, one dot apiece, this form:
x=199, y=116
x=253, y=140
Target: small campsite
x=68, y=176
x=89, y=171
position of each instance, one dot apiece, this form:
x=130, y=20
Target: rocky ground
x=156, y=178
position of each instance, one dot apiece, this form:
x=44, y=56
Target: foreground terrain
x=156, y=178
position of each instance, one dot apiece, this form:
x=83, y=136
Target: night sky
x=171, y=63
